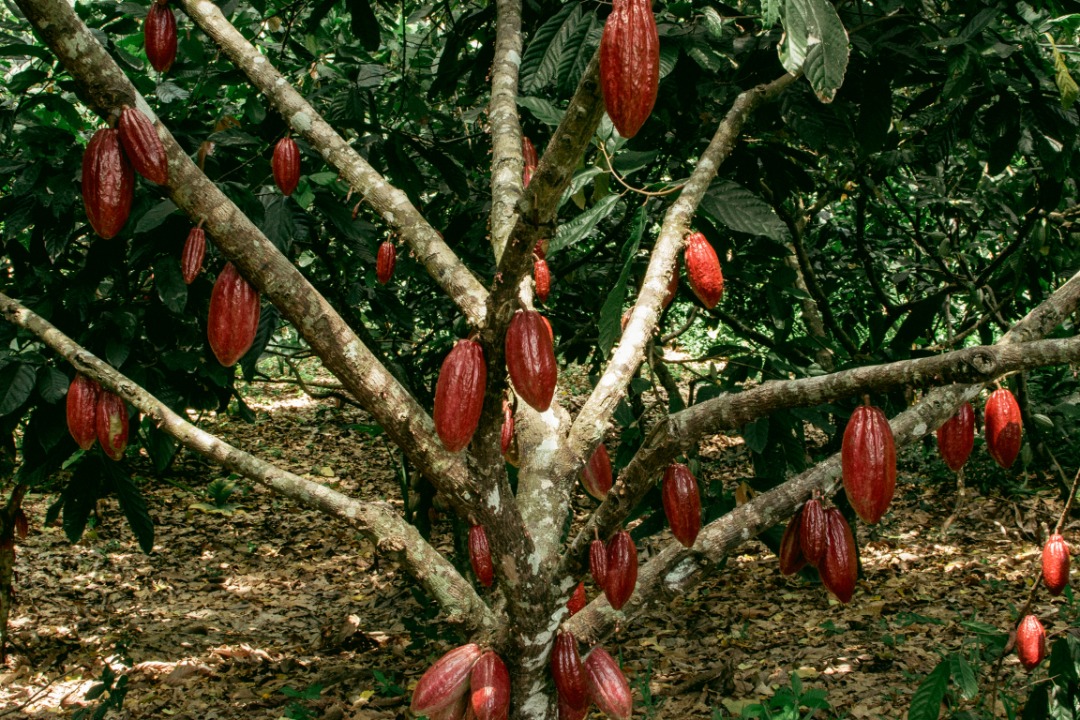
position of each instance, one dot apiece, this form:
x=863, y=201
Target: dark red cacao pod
x=596, y=476
x=598, y=563
x=567, y=671
x=529, y=161
x=682, y=503
x=577, y=600
x=956, y=437
x=703, y=270
x=868, y=462
x=812, y=532
x=568, y=712
x=82, y=400
x=607, y=685
x=234, y=316
x=542, y=279
x=480, y=556
x=445, y=682
x=1004, y=428
x=530, y=358
x=159, y=36
x=459, y=394
x=194, y=251
x=384, y=264
x=1030, y=642
x=489, y=688
x=108, y=183
x=286, y=165
x=1055, y=564
x=839, y=567
x=792, y=559
x=630, y=64
x=112, y=424
x=460, y=710
x=143, y=146
x=622, y=569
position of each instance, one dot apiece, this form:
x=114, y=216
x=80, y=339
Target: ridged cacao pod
x=622, y=569
x=868, y=462
x=143, y=146
x=459, y=394
x=234, y=316
x=607, y=685
x=286, y=165
x=956, y=437
x=530, y=358
x=1030, y=642
x=567, y=671
x=839, y=568
x=568, y=712
x=445, y=682
x=82, y=400
x=489, y=688
x=812, y=531
x=703, y=270
x=542, y=279
x=112, y=424
x=384, y=264
x=598, y=563
x=159, y=36
x=194, y=251
x=596, y=475
x=682, y=503
x=1004, y=428
x=108, y=183
x=630, y=64
x=1055, y=564
x=529, y=161
x=792, y=559
x=577, y=600
x=460, y=710
x=480, y=556
x=507, y=438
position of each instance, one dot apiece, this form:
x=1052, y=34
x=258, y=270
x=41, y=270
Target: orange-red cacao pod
x=577, y=600
x=607, y=685
x=530, y=358
x=792, y=559
x=622, y=569
x=1003, y=427
x=630, y=64
x=159, y=36
x=286, y=165
x=1030, y=642
x=112, y=424
x=682, y=503
x=143, y=146
x=384, y=263
x=194, y=251
x=459, y=394
x=82, y=400
x=1055, y=564
x=480, y=556
x=812, y=531
x=596, y=476
x=542, y=279
x=839, y=567
x=567, y=671
x=868, y=462
x=956, y=437
x=234, y=316
x=445, y=682
x=108, y=183
x=703, y=270
x=489, y=688
x=598, y=563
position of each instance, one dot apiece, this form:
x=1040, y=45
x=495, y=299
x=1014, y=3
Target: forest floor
x=262, y=609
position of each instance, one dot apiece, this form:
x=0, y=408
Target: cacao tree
x=866, y=199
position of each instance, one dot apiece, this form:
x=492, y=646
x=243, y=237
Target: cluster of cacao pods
x=464, y=683
x=868, y=463
x=630, y=64
x=596, y=680
x=159, y=36
x=682, y=503
x=1003, y=428
x=234, y=316
x=384, y=263
x=94, y=413
x=702, y=271
x=459, y=394
x=596, y=476
x=822, y=538
x=528, y=155
x=614, y=567
x=530, y=358
x=480, y=556
x=286, y=165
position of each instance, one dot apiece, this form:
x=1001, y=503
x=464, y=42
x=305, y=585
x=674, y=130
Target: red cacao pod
x=1030, y=642
x=489, y=688
x=480, y=556
x=682, y=503
x=530, y=358
x=108, y=183
x=868, y=461
x=630, y=64
x=112, y=424
x=459, y=394
x=384, y=264
x=159, y=36
x=194, y=251
x=622, y=569
x=542, y=279
x=568, y=712
x=1004, y=428
x=143, y=146
x=1055, y=564
x=528, y=152
x=234, y=316
x=812, y=531
x=839, y=567
x=445, y=682
x=598, y=563
x=82, y=400
x=286, y=165
x=567, y=671
x=607, y=685
x=541, y=247
x=792, y=559
x=577, y=600
x=703, y=270
x=460, y=710
x=596, y=475
x=506, y=437
x=956, y=437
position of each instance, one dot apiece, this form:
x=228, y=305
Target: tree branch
x=506, y=158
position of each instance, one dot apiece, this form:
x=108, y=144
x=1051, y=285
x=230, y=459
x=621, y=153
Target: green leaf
x=268, y=325
x=544, y=110
x=770, y=12
x=540, y=63
x=16, y=384
x=79, y=497
x=817, y=43
x=156, y=215
x=926, y=702
x=134, y=506
x=611, y=311
x=573, y=231
x=170, y=284
x=52, y=385
x=1063, y=79
x=963, y=676
x=756, y=434
x=733, y=205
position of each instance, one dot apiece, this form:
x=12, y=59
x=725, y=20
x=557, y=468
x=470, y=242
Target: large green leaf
x=570, y=233
x=134, y=506
x=611, y=310
x=817, y=44
x=16, y=384
x=733, y=205
x=540, y=64
x=926, y=702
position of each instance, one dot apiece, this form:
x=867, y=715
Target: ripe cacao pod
x=112, y=424
x=598, y=563
x=703, y=270
x=108, y=183
x=159, y=36
x=143, y=146
x=1030, y=642
x=596, y=475
x=956, y=437
x=1003, y=427
x=459, y=394
x=630, y=64
x=480, y=556
x=460, y=710
x=286, y=165
x=577, y=600
x=607, y=684
x=622, y=569
x=445, y=683
x=82, y=400
x=1055, y=564
x=812, y=531
x=529, y=161
x=567, y=671
x=839, y=567
x=530, y=358
x=489, y=688
x=792, y=559
x=568, y=712
x=682, y=503
x=194, y=251
x=868, y=462
x=542, y=279
x=234, y=316
x=384, y=264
